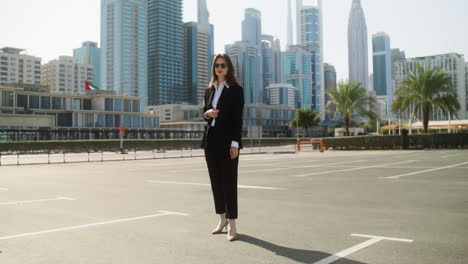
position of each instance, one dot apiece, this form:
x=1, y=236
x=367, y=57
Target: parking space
x=309, y=207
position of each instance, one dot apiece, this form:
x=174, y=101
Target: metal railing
x=12, y=159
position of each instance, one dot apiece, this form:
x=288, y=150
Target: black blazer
x=229, y=121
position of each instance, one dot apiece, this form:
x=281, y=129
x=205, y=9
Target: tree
x=307, y=119
x=350, y=98
x=426, y=89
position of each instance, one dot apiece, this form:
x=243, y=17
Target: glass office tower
x=382, y=64
x=124, y=47
x=297, y=69
x=165, y=53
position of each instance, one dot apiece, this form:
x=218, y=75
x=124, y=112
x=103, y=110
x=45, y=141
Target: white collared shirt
x=214, y=103
x=217, y=95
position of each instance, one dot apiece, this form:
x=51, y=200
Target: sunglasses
x=222, y=65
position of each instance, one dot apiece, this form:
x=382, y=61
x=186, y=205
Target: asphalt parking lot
x=338, y=207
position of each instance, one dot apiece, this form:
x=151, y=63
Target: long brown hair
x=230, y=75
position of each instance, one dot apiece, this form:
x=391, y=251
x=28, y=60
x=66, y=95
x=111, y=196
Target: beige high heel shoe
x=232, y=235
x=220, y=227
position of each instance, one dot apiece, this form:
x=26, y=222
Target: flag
x=89, y=86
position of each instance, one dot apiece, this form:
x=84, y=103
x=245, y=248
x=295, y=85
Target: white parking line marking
x=448, y=151
x=3, y=189
x=449, y=156
x=248, y=166
x=206, y=184
x=301, y=167
x=371, y=241
x=38, y=201
x=161, y=213
x=358, y=168
x=419, y=172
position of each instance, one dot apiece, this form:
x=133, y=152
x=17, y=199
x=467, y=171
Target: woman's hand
x=213, y=113
x=234, y=152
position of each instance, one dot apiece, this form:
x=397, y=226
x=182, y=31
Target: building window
x=136, y=106
x=109, y=105
x=136, y=121
x=127, y=105
x=22, y=101
x=8, y=99
x=45, y=102
x=34, y=102
x=117, y=105
x=87, y=104
x=116, y=121
x=76, y=104
x=65, y=120
x=99, y=120
x=109, y=121
x=57, y=103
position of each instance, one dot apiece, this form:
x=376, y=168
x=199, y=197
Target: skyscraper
x=245, y=59
x=310, y=36
x=252, y=33
x=165, y=53
x=271, y=56
x=330, y=81
x=290, y=26
x=397, y=55
x=297, y=69
x=124, y=47
x=89, y=53
x=206, y=28
x=198, y=52
x=382, y=63
x=357, y=45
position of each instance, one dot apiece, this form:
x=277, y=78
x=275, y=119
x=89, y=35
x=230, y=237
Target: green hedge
x=454, y=140
x=114, y=145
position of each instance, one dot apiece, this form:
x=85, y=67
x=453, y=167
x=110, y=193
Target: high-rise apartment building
x=16, y=67
x=310, y=36
x=198, y=62
x=330, y=81
x=198, y=53
x=65, y=75
x=89, y=53
x=245, y=59
x=271, y=60
x=124, y=47
x=297, y=72
x=382, y=64
x=252, y=34
x=165, y=53
x=397, y=55
x=357, y=45
x=453, y=64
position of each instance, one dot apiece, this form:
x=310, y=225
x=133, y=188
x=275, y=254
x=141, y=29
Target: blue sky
x=49, y=28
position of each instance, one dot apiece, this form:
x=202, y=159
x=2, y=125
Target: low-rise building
x=22, y=107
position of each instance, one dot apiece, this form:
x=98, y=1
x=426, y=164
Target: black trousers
x=223, y=176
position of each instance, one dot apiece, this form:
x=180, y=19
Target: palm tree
x=307, y=119
x=348, y=99
x=426, y=89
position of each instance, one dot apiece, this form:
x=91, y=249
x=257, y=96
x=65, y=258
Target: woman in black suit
x=223, y=107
